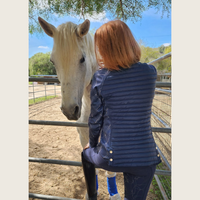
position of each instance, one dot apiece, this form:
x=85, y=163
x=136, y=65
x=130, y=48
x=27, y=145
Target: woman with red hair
x=120, y=135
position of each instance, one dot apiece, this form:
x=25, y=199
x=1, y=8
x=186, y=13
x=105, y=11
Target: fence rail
x=41, y=196
x=158, y=118
x=48, y=80
x=161, y=187
x=160, y=59
x=79, y=164
x=55, y=80
x=163, y=91
x=77, y=124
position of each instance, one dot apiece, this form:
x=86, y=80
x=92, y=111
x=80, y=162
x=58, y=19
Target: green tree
x=39, y=64
x=121, y=9
x=164, y=66
x=149, y=54
x=161, y=49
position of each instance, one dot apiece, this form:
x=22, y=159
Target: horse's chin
x=71, y=117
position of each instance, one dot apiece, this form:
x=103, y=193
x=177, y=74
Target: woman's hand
x=87, y=146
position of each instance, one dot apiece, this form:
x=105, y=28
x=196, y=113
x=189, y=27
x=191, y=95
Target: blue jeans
x=137, y=180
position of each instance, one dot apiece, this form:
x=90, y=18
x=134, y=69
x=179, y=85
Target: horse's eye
x=82, y=60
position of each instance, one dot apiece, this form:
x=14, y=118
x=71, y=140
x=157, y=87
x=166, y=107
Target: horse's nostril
x=76, y=110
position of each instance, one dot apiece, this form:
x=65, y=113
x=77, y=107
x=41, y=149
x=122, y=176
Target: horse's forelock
x=68, y=41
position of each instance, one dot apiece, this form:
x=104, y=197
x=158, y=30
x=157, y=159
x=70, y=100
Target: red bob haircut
x=115, y=46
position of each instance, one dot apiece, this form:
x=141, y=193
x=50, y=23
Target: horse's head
x=73, y=57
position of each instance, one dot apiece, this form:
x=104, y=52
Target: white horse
x=74, y=59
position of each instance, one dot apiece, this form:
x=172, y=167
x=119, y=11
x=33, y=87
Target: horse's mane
x=68, y=41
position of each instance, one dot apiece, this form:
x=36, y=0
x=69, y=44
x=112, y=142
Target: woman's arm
x=96, y=115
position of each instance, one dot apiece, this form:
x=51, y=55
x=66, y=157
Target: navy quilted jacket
x=121, y=104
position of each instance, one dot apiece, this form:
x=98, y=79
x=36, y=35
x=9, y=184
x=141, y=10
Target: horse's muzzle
x=73, y=113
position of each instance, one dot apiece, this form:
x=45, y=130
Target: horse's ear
x=83, y=28
x=49, y=29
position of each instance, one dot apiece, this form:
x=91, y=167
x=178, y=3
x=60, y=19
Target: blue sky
x=151, y=29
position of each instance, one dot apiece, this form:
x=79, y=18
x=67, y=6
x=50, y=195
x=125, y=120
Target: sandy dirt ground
x=61, y=143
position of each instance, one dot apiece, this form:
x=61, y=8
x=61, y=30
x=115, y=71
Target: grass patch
x=40, y=99
x=156, y=190
x=30, y=83
x=165, y=181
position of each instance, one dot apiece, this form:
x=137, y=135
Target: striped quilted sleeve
x=96, y=115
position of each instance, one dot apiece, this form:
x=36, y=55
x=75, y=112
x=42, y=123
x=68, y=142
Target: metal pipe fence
x=41, y=196
x=78, y=124
x=79, y=164
x=55, y=80
x=165, y=129
x=166, y=126
x=160, y=185
x=37, y=90
x=161, y=118
x=160, y=59
x=163, y=91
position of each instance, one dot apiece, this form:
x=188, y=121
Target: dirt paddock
x=61, y=143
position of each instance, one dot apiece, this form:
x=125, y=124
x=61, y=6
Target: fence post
x=33, y=92
x=55, y=88
x=45, y=89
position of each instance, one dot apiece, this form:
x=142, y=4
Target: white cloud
x=43, y=4
x=43, y=47
x=166, y=44
x=100, y=17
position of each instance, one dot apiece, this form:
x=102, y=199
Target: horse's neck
x=86, y=102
